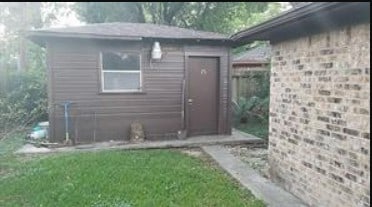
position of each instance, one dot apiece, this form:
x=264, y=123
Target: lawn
x=117, y=178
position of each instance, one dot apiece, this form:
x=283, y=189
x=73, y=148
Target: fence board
x=244, y=81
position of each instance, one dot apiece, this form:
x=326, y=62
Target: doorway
x=202, y=100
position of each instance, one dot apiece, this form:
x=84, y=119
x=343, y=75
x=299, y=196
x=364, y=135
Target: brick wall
x=320, y=109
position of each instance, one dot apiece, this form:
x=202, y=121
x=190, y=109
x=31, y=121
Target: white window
x=121, y=72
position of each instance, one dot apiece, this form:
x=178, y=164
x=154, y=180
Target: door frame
x=219, y=57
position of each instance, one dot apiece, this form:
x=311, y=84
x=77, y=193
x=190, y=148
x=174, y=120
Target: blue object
x=37, y=128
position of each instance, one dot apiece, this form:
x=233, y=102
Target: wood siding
x=74, y=75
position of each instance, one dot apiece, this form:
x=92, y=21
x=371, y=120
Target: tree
x=99, y=12
x=22, y=91
x=274, y=9
x=224, y=17
x=17, y=17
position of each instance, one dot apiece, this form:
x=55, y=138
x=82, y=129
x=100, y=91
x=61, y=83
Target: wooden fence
x=245, y=82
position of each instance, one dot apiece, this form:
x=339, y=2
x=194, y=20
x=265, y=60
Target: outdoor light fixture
x=156, y=51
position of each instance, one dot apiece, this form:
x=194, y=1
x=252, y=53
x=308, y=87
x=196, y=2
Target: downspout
x=183, y=104
x=182, y=132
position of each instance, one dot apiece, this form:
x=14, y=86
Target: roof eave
x=79, y=35
x=39, y=37
x=305, y=20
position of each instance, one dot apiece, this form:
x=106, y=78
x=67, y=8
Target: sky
x=65, y=18
x=69, y=18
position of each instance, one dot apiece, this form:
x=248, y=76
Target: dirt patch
x=194, y=152
x=256, y=158
x=5, y=172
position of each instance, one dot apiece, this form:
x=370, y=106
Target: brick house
x=319, y=146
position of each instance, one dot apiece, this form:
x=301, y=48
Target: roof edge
x=78, y=35
x=41, y=38
x=285, y=17
x=301, y=14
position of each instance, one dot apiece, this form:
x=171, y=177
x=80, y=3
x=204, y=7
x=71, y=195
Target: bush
x=252, y=108
x=23, y=99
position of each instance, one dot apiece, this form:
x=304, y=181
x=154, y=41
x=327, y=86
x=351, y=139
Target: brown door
x=202, y=95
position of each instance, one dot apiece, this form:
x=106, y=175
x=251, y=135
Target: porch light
x=156, y=51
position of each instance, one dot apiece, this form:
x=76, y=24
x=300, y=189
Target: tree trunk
x=3, y=76
x=22, y=55
x=141, y=14
x=22, y=44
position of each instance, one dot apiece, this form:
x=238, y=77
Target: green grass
x=11, y=142
x=8, y=161
x=255, y=127
x=117, y=178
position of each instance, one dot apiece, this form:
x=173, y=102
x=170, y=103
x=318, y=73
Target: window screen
x=120, y=72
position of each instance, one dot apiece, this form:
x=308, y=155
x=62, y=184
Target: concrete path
x=29, y=148
x=262, y=188
x=237, y=137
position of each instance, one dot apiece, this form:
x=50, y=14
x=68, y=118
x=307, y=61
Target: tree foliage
x=224, y=17
x=25, y=100
x=16, y=17
x=22, y=68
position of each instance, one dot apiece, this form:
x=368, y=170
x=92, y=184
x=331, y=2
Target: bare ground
x=254, y=157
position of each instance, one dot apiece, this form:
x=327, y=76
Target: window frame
x=102, y=76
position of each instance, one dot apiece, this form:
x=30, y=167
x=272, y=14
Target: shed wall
x=74, y=68
x=320, y=117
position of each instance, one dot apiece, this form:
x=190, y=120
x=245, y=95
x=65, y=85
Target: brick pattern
x=319, y=117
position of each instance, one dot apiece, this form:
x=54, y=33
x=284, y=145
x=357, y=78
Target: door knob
x=189, y=101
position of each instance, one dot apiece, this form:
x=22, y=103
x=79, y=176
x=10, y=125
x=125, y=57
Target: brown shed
x=112, y=75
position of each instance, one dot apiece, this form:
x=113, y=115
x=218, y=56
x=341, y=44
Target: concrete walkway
x=262, y=188
x=237, y=137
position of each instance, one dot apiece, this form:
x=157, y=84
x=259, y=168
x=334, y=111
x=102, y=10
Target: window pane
x=121, y=81
x=120, y=61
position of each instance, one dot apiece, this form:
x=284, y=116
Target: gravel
x=256, y=158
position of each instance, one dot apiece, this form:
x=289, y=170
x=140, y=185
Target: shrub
x=254, y=108
x=23, y=99
x=253, y=103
